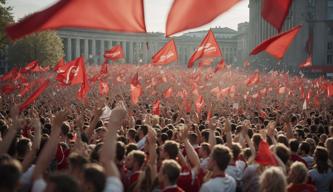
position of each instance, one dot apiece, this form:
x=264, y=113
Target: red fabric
x=301, y=188
x=115, y=15
x=185, y=179
x=81, y=77
x=199, y=104
x=207, y=48
x=114, y=53
x=275, y=12
x=34, y=95
x=253, y=79
x=168, y=92
x=173, y=189
x=102, y=73
x=156, y=107
x=277, y=45
x=206, y=62
x=220, y=66
x=60, y=64
x=330, y=90
x=188, y=14
x=294, y=158
x=29, y=67
x=166, y=54
x=10, y=74
x=73, y=73
x=61, y=157
x=307, y=63
x=103, y=88
x=8, y=88
x=136, y=89
x=26, y=89
x=264, y=156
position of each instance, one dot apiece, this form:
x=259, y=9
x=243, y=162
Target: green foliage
x=6, y=17
x=45, y=47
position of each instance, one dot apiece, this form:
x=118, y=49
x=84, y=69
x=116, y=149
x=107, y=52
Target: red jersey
x=301, y=188
x=173, y=189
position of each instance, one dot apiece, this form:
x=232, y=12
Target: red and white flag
x=73, y=73
x=206, y=62
x=168, y=93
x=220, y=66
x=127, y=16
x=35, y=95
x=114, y=53
x=166, y=54
x=253, y=79
x=275, y=12
x=10, y=74
x=59, y=65
x=29, y=67
x=188, y=14
x=207, y=48
x=277, y=45
x=308, y=62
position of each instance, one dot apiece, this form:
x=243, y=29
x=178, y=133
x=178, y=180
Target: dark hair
x=293, y=144
x=321, y=159
x=171, y=148
x=171, y=169
x=222, y=156
x=304, y=146
x=120, y=151
x=282, y=152
x=22, y=147
x=131, y=147
x=77, y=161
x=94, y=174
x=64, y=182
x=10, y=172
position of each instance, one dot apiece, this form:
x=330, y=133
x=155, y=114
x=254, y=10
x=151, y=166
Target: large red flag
x=35, y=95
x=253, y=79
x=220, y=66
x=136, y=89
x=277, y=45
x=73, y=73
x=156, y=107
x=307, y=63
x=187, y=14
x=168, y=92
x=10, y=74
x=207, y=48
x=103, y=88
x=115, y=15
x=275, y=12
x=167, y=54
x=102, y=73
x=330, y=90
x=116, y=52
x=264, y=156
x=8, y=88
x=206, y=62
x=84, y=89
x=29, y=67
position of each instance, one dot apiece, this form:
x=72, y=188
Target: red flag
x=275, y=12
x=254, y=79
x=167, y=93
x=60, y=64
x=206, y=62
x=127, y=16
x=73, y=73
x=277, y=45
x=188, y=106
x=264, y=156
x=29, y=67
x=115, y=53
x=187, y=14
x=330, y=90
x=316, y=101
x=84, y=89
x=208, y=48
x=166, y=54
x=35, y=95
x=8, y=88
x=136, y=89
x=220, y=66
x=10, y=74
x=199, y=104
x=308, y=62
x=156, y=107
x=104, y=69
x=26, y=89
x=103, y=88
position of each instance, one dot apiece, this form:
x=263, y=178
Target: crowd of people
x=275, y=135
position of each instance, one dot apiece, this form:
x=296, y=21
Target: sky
x=155, y=13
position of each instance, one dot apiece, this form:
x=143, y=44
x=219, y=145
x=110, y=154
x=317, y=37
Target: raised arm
x=190, y=152
x=212, y=128
x=50, y=148
x=7, y=140
x=227, y=129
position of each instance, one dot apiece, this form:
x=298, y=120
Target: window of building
x=330, y=9
x=330, y=59
x=330, y=45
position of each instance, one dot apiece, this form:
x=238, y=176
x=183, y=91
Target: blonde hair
x=273, y=180
x=298, y=173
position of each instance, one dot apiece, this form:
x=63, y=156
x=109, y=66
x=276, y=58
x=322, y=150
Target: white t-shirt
x=218, y=184
x=113, y=184
x=141, y=143
x=236, y=171
x=39, y=185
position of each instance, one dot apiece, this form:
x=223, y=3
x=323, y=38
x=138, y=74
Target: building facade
x=316, y=18
x=140, y=47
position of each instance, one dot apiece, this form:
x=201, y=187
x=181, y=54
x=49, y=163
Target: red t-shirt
x=173, y=189
x=301, y=188
x=294, y=158
x=185, y=179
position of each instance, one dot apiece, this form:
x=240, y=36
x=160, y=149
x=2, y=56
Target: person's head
x=204, y=150
x=76, y=164
x=131, y=133
x=169, y=150
x=219, y=158
x=329, y=147
x=304, y=148
x=120, y=151
x=298, y=173
x=293, y=145
x=60, y=182
x=131, y=147
x=10, y=172
x=321, y=159
x=236, y=150
x=94, y=178
x=273, y=180
x=256, y=138
x=169, y=172
x=282, y=152
x=283, y=139
x=23, y=147
x=143, y=131
x=135, y=160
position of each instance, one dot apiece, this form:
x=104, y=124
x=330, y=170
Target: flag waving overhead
x=34, y=95
x=156, y=107
x=188, y=14
x=73, y=73
x=60, y=64
x=277, y=45
x=253, y=79
x=136, y=89
x=126, y=16
x=308, y=62
x=208, y=48
x=114, y=53
x=275, y=12
x=220, y=66
x=166, y=55
x=29, y=67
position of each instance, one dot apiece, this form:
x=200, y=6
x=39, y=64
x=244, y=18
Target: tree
x=6, y=17
x=45, y=47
